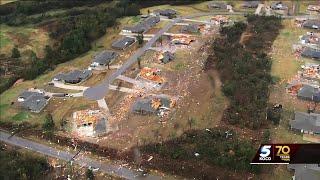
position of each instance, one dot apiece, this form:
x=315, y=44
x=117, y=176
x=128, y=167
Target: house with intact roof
x=165, y=12
x=104, y=58
x=123, y=43
x=309, y=92
x=308, y=123
x=33, y=101
x=73, y=77
x=142, y=26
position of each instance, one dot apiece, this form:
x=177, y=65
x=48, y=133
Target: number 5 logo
x=265, y=151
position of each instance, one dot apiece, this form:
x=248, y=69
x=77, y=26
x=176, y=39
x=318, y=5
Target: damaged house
x=279, y=6
x=182, y=40
x=90, y=123
x=315, y=8
x=166, y=57
x=73, y=77
x=123, y=43
x=152, y=75
x=219, y=20
x=312, y=24
x=33, y=101
x=310, y=38
x=158, y=104
x=250, y=4
x=217, y=5
x=191, y=28
x=309, y=92
x=311, y=53
x=308, y=123
x=104, y=58
x=143, y=26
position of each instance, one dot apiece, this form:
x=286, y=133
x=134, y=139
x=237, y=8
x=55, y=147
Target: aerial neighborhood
x=153, y=89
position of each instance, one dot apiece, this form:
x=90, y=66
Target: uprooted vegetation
x=245, y=68
x=197, y=153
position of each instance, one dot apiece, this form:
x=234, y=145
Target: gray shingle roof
x=306, y=38
x=193, y=28
x=250, y=4
x=144, y=25
x=105, y=57
x=165, y=12
x=312, y=24
x=33, y=101
x=167, y=57
x=307, y=122
x=311, y=53
x=144, y=105
x=100, y=127
x=217, y=5
x=308, y=92
x=123, y=43
x=75, y=76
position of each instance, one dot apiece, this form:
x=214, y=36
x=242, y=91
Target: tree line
x=245, y=68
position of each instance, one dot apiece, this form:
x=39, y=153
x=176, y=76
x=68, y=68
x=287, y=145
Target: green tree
x=140, y=39
x=89, y=174
x=48, y=125
x=15, y=53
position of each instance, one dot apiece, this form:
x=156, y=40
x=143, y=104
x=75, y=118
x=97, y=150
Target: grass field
x=25, y=38
x=285, y=66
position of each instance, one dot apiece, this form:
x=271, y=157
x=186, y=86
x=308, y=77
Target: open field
x=284, y=66
x=25, y=37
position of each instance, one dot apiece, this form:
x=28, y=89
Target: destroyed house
x=33, y=101
x=314, y=8
x=310, y=38
x=104, y=58
x=306, y=123
x=151, y=74
x=182, y=40
x=311, y=53
x=191, y=28
x=143, y=26
x=305, y=171
x=217, y=5
x=165, y=12
x=279, y=6
x=311, y=24
x=73, y=77
x=90, y=122
x=166, y=57
x=309, y=92
x=123, y=43
x=250, y=4
x=152, y=104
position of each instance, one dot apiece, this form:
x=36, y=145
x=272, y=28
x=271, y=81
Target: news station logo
x=265, y=152
x=287, y=154
x=283, y=152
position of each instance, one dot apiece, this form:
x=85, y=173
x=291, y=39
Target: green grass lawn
x=3, y=39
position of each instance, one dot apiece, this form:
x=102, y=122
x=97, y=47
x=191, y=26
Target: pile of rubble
x=151, y=74
x=89, y=123
x=219, y=20
x=182, y=40
x=307, y=78
x=315, y=8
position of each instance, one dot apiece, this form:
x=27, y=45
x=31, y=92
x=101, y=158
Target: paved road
x=108, y=168
x=99, y=91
